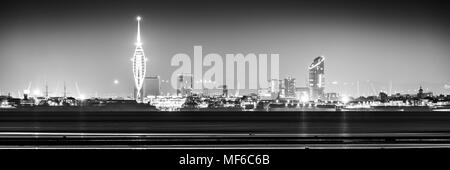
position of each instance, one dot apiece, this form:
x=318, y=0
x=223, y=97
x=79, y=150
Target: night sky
x=91, y=42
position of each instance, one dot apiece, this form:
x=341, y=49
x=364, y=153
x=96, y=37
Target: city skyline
x=224, y=83
x=403, y=51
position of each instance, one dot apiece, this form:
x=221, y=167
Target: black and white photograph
x=224, y=84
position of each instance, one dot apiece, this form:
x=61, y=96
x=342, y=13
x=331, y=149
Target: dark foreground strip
x=218, y=141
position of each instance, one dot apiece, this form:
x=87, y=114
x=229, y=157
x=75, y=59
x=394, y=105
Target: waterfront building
x=275, y=87
x=302, y=93
x=152, y=86
x=422, y=94
x=317, y=79
x=289, y=87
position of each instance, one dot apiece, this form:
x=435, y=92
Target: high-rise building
x=139, y=62
x=275, y=87
x=317, y=78
x=152, y=86
x=289, y=87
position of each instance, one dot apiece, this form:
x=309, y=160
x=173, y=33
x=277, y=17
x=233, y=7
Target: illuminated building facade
x=317, y=78
x=139, y=62
x=302, y=94
x=275, y=86
x=289, y=87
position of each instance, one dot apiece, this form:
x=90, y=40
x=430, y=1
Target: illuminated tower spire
x=139, y=64
x=138, y=31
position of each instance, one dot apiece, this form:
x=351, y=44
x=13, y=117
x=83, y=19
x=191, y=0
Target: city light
x=345, y=99
x=36, y=92
x=313, y=93
x=82, y=97
x=304, y=98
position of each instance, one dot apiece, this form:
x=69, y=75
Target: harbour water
x=316, y=122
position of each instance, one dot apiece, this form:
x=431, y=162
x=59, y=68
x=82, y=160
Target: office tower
x=152, y=86
x=317, y=78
